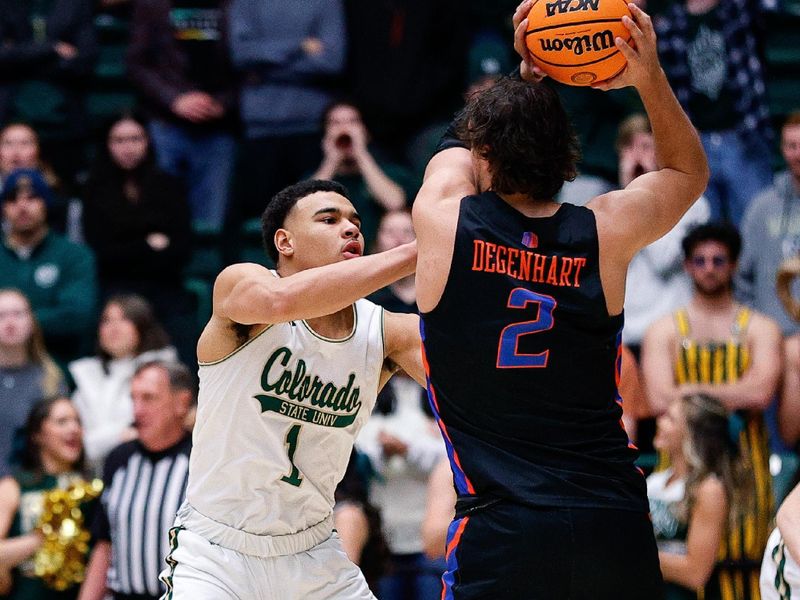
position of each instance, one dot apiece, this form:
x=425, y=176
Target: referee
x=145, y=482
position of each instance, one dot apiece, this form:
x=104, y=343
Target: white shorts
x=780, y=574
x=200, y=570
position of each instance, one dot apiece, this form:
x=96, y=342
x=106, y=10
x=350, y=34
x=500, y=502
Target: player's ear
x=284, y=242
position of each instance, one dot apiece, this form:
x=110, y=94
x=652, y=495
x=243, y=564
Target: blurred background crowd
x=140, y=140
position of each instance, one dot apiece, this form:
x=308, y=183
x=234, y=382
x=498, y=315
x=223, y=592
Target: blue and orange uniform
x=523, y=362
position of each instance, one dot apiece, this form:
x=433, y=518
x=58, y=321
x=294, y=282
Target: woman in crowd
x=52, y=458
x=136, y=219
x=128, y=336
x=695, y=500
x=27, y=373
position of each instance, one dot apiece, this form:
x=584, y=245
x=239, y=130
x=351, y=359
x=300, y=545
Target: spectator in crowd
x=780, y=571
x=19, y=149
x=697, y=500
x=178, y=60
x=128, y=336
x=52, y=459
x=718, y=347
x=710, y=53
x=657, y=282
x=406, y=66
x=46, y=60
x=27, y=373
x=287, y=56
x=137, y=221
x=789, y=408
x=144, y=484
x=771, y=234
x=57, y=276
x=394, y=229
x=375, y=184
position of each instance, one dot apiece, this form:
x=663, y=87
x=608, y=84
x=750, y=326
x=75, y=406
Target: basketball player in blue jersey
x=290, y=365
x=521, y=304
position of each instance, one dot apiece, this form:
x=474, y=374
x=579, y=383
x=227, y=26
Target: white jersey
x=276, y=420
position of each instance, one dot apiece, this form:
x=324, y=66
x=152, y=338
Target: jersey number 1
x=292, y=478
x=508, y=355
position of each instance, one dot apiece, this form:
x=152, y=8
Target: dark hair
x=179, y=375
x=139, y=312
x=30, y=457
x=523, y=132
x=710, y=449
x=278, y=208
x=104, y=164
x=724, y=233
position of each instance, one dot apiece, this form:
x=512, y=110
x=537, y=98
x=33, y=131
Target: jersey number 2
x=508, y=355
x=292, y=478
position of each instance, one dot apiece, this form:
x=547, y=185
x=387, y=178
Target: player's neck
x=530, y=207
x=679, y=467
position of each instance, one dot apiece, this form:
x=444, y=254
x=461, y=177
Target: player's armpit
x=403, y=344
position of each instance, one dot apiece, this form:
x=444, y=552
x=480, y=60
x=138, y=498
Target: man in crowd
x=145, y=481
x=714, y=345
x=375, y=185
x=57, y=275
x=178, y=59
x=771, y=234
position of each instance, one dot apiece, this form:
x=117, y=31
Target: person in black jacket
x=46, y=59
x=178, y=60
x=136, y=218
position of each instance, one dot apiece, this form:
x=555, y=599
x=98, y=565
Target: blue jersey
x=523, y=362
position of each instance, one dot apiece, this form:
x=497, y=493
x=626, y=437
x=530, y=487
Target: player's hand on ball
x=641, y=54
x=528, y=70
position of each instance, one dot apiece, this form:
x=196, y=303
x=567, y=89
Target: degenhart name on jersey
x=559, y=271
x=304, y=396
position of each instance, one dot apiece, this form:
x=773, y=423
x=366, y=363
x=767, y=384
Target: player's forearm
x=319, y=291
x=678, y=145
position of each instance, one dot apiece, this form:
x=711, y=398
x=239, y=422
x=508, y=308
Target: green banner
x=306, y=414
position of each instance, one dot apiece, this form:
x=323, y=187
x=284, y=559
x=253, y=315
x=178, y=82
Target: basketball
x=573, y=40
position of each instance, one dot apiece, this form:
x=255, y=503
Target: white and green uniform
x=276, y=420
x=780, y=572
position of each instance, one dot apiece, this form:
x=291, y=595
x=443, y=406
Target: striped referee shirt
x=143, y=491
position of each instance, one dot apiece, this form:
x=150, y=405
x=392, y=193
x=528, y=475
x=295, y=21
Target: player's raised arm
x=312, y=232
x=652, y=203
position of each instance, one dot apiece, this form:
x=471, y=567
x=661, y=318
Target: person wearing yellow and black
x=718, y=347
x=57, y=275
x=52, y=458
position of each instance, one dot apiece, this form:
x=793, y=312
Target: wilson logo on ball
x=561, y=7
x=602, y=40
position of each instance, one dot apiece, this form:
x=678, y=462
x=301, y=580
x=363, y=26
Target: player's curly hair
x=275, y=214
x=523, y=132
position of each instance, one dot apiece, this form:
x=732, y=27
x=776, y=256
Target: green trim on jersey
x=332, y=340
x=242, y=347
x=173, y=546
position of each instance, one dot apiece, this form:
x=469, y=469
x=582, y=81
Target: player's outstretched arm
x=653, y=203
x=249, y=294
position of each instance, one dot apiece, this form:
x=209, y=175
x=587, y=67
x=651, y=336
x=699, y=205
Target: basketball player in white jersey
x=290, y=365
